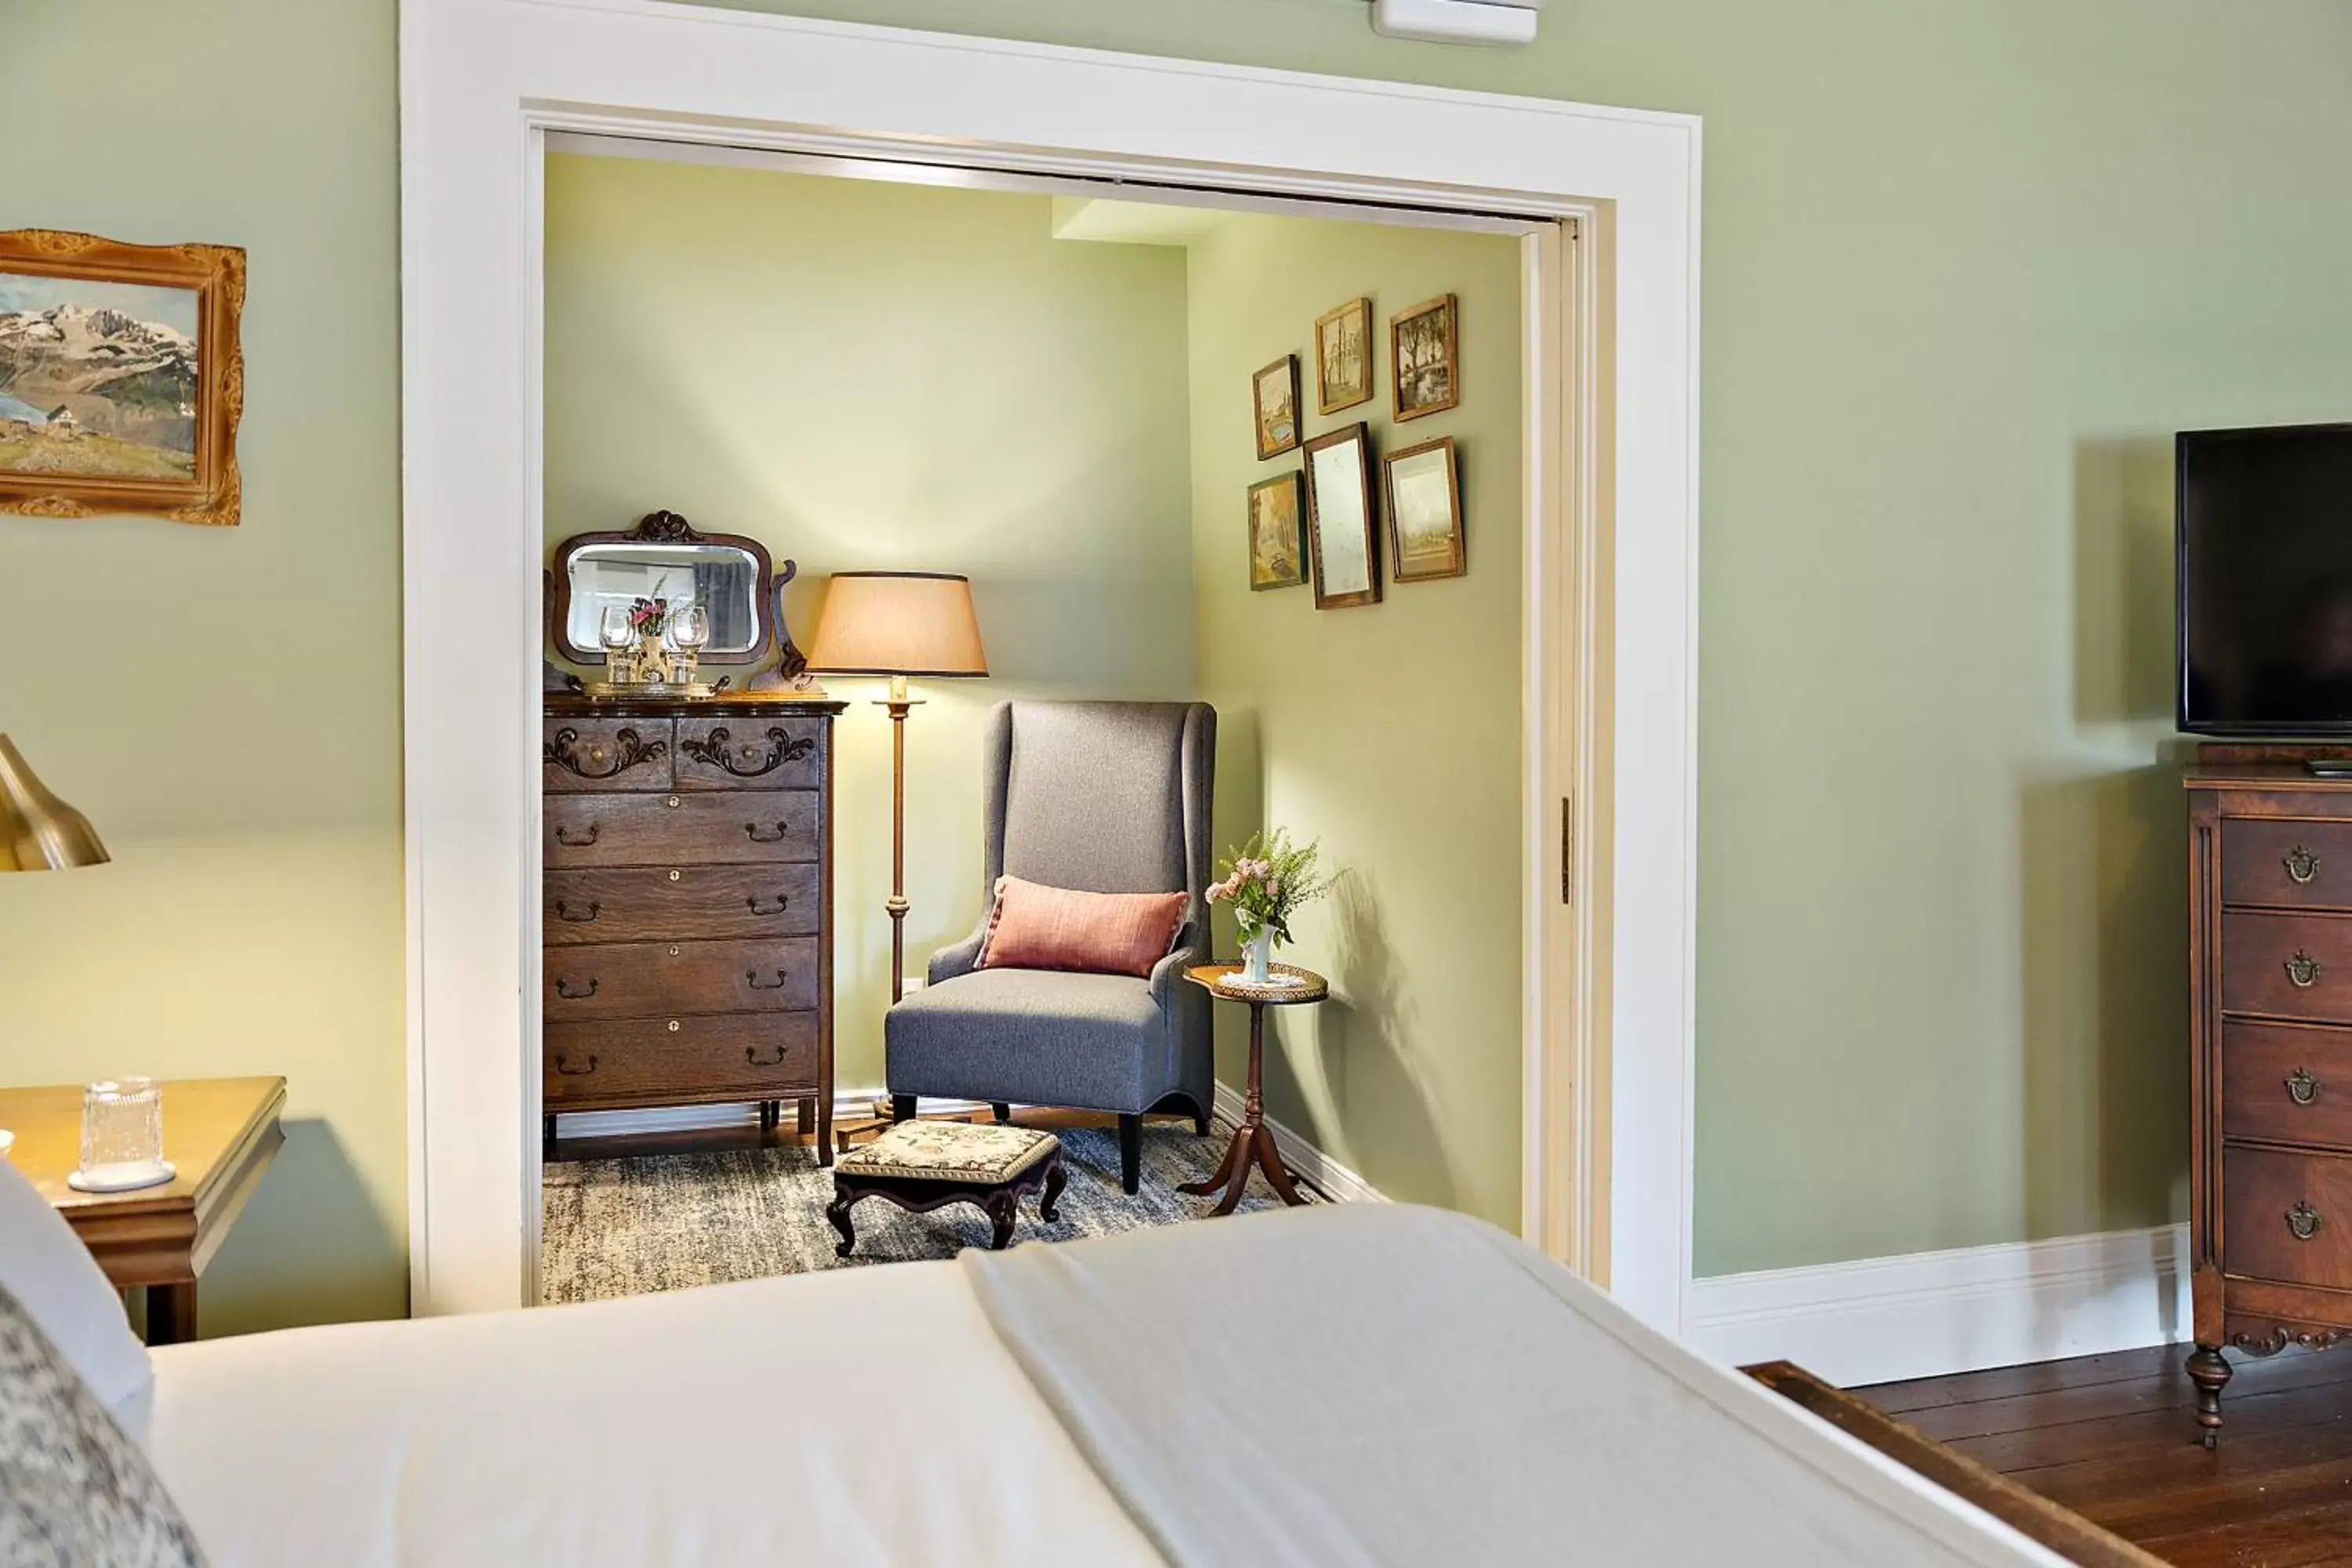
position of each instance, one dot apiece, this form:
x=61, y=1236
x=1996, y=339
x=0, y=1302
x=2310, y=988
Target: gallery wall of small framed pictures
x=1321, y=523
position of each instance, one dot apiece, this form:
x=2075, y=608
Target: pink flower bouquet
x=1267, y=881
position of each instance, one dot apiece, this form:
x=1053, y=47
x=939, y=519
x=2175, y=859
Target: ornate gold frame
x=214, y=496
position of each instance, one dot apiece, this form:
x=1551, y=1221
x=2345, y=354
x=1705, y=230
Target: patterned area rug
x=664, y=1222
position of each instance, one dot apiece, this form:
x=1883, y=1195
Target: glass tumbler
x=122, y=1132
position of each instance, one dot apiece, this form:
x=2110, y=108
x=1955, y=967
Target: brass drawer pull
x=2300, y=865
x=751, y=980
x=782, y=903
x=2303, y=970
x=2303, y=1219
x=2301, y=1087
x=747, y=760
x=563, y=836
x=563, y=989
x=752, y=1055
x=572, y=1071
x=563, y=912
x=673, y=1026
x=751, y=831
x=633, y=751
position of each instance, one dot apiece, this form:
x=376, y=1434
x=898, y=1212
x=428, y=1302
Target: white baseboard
x=848, y=1104
x=1307, y=1162
x=1877, y=1319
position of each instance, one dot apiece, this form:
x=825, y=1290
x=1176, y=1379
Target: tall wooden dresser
x=687, y=848
x=2270, y=878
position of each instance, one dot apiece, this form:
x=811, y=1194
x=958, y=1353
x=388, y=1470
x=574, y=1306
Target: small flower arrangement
x=1267, y=881
x=648, y=616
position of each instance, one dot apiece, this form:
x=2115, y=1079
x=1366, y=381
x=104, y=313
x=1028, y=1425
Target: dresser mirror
x=665, y=558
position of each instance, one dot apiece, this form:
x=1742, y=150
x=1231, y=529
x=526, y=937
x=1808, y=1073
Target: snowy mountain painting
x=97, y=379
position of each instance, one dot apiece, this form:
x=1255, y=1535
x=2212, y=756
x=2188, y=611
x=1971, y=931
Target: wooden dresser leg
x=804, y=1116
x=2208, y=1370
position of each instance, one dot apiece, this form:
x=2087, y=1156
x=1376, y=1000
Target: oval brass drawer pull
x=782, y=902
x=563, y=912
x=2301, y=1087
x=2300, y=865
x=563, y=836
x=2303, y=1220
x=751, y=980
x=2303, y=970
x=563, y=989
x=572, y=1071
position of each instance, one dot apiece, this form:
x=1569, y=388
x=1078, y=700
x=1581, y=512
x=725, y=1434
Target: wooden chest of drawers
x=2270, y=875
x=686, y=854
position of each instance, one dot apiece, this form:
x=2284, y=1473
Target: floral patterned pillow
x=73, y=1489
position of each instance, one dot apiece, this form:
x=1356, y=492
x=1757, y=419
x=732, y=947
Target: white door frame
x=483, y=82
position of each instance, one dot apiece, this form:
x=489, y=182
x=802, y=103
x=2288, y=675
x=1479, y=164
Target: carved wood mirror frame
x=768, y=633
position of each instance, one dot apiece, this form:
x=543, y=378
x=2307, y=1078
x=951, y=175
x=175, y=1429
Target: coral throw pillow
x=1036, y=927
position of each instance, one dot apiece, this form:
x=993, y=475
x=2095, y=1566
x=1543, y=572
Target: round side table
x=1253, y=1144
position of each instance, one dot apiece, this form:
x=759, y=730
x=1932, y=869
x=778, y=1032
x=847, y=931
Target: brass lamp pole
x=899, y=624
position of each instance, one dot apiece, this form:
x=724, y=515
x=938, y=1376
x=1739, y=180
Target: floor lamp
x=899, y=624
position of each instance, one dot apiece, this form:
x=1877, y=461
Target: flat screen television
x=2264, y=623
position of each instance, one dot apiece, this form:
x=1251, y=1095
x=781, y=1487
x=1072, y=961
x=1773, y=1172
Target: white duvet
x=861, y=1416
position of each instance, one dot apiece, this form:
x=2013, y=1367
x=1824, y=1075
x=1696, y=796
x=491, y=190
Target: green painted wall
x=224, y=704
x=880, y=375
x=1389, y=730
x=1966, y=269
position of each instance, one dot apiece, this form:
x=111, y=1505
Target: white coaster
x=122, y=1178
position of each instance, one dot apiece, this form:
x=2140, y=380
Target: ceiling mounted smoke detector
x=1457, y=21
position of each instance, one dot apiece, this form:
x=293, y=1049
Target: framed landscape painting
x=121, y=377
x=1424, y=352
x=1277, y=534
x=1424, y=497
x=1343, y=357
x=1273, y=393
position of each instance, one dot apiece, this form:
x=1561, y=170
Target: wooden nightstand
x=221, y=1133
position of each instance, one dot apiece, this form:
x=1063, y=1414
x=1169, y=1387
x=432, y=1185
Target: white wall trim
x=484, y=81
x=1876, y=1320
x=1307, y=1162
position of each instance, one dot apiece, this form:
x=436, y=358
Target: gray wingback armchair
x=1107, y=797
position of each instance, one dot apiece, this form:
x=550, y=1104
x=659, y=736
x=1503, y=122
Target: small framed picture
x=1277, y=533
x=1274, y=391
x=1341, y=520
x=1343, y=357
x=1424, y=501
x=1425, y=362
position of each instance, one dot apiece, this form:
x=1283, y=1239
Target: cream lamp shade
x=898, y=622
x=39, y=832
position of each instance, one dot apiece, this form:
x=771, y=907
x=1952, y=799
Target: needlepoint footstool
x=921, y=1165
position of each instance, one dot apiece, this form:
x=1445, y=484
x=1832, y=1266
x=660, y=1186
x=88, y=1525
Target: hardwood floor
x=2114, y=1437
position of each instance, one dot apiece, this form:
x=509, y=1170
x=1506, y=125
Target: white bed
x=882, y=1415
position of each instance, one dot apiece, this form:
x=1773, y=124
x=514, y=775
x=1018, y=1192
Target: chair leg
x=1130, y=1154
x=902, y=1107
x=1199, y=1124
x=1002, y=1108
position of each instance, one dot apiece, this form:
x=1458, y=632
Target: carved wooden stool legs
x=2208, y=1370
x=1002, y=1204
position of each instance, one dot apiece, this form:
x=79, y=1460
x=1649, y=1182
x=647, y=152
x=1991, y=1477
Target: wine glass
x=613, y=629
x=690, y=628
